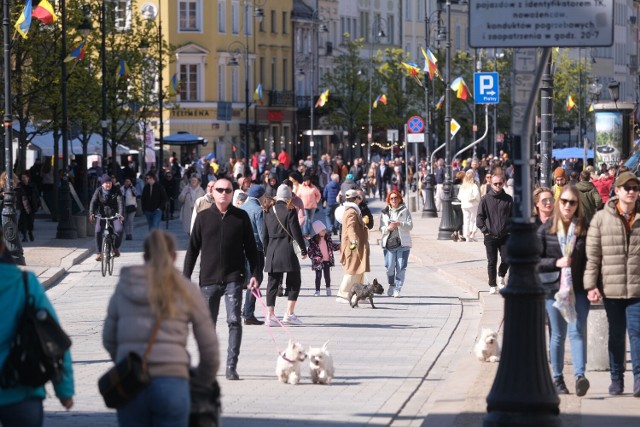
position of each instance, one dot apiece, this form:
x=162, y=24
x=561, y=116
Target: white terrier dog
x=288, y=364
x=320, y=364
x=487, y=348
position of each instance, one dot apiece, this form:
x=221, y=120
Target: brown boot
x=99, y=257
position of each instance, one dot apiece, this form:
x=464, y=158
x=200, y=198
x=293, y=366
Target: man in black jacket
x=494, y=216
x=224, y=235
x=106, y=202
x=153, y=200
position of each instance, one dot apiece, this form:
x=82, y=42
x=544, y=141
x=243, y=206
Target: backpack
x=37, y=349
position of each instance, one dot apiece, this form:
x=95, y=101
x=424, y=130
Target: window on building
x=235, y=17
x=222, y=78
x=122, y=15
x=408, y=12
x=189, y=80
x=285, y=74
x=274, y=26
x=235, y=84
x=261, y=70
x=222, y=16
x=189, y=15
x=274, y=72
x=391, y=30
x=364, y=18
x=248, y=19
x=285, y=23
x=458, y=37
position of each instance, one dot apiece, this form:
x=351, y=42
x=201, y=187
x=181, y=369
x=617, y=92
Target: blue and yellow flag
x=24, y=21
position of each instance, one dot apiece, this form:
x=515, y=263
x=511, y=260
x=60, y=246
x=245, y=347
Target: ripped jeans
x=232, y=292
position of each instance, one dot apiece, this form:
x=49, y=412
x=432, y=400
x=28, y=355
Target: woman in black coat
x=281, y=227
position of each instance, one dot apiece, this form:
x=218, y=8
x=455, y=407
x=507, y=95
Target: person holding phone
x=395, y=225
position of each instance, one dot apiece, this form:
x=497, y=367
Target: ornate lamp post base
x=447, y=223
x=429, y=210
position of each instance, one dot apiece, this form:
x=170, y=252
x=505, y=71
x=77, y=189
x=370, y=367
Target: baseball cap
x=625, y=177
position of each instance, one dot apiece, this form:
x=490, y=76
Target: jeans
x=577, y=335
x=26, y=413
x=395, y=261
x=128, y=223
x=493, y=246
x=117, y=228
x=232, y=292
x=623, y=315
x=308, y=220
x=153, y=218
x=249, y=300
x=330, y=217
x=165, y=403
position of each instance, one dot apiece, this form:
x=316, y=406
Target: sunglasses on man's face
x=497, y=184
x=630, y=188
x=224, y=190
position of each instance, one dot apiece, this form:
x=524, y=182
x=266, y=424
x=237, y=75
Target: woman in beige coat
x=188, y=196
x=354, y=246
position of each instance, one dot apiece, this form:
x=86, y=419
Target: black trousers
x=494, y=245
x=326, y=269
x=25, y=221
x=294, y=282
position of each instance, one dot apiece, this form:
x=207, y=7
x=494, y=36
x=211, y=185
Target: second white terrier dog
x=487, y=348
x=320, y=364
x=288, y=364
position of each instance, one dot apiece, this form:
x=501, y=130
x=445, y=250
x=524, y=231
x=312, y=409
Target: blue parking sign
x=486, y=88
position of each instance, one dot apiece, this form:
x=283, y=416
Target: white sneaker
x=328, y=292
x=316, y=294
x=291, y=319
x=391, y=290
x=501, y=282
x=396, y=293
x=342, y=300
x=493, y=290
x=271, y=321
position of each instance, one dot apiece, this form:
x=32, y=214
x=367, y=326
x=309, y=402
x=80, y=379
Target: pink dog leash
x=256, y=293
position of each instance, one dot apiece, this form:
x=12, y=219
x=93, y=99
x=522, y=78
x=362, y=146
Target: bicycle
x=108, y=244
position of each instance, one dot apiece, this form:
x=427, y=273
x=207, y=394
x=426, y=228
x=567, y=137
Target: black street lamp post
x=103, y=61
x=233, y=62
x=66, y=227
x=375, y=39
x=429, y=209
x=149, y=12
x=9, y=223
x=447, y=221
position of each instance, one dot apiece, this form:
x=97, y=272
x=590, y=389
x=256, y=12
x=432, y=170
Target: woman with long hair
x=469, y=196
x=156, y=292
x=563, y=239
x=395, y=225
x=281, y=229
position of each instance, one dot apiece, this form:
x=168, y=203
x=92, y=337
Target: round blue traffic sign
x=415, y=124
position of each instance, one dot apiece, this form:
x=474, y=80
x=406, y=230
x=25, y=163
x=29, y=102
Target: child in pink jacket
x=320, y=251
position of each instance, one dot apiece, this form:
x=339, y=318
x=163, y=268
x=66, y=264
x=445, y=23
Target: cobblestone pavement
x=408, y=363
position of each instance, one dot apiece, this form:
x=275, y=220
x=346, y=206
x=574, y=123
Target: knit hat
x=283, y=193
x=625, y=177
x=272, y=175
x=295, y=176
x=349, y=176
x=105, y=178
x=256, y=191
x=318, y=226
x=559, y=173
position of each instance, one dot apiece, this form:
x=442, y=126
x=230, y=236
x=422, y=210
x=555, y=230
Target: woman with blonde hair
x=542, y=204
x=469, y=196
x=152, y=295
x=563, y=239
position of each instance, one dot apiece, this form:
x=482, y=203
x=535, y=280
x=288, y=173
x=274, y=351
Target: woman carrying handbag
x=153, y=294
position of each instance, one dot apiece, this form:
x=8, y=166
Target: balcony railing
x=278, y=98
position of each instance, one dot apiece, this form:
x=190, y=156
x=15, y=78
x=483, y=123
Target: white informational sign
x=540, y=23
x=392, y=135
x=415, y=137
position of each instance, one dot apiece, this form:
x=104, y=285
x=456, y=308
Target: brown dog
x=363, y=291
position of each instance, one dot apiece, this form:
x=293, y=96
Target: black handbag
x=205, y=403
x=130, y=208
x=128, y=377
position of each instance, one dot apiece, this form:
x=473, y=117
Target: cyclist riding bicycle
x=106, y=202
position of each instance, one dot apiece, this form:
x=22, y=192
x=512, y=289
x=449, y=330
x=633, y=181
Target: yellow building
x=224, y=49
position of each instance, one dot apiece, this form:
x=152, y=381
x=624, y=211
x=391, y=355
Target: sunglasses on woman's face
x=224, y=190
x=571, y=203
x=547, y=201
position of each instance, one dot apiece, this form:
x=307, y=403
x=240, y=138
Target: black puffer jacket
x=106, y=204
x=494, y=213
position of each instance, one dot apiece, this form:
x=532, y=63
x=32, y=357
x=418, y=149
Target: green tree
x=569, y=72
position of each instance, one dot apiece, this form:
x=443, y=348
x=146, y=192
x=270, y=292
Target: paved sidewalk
x=423, y=374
